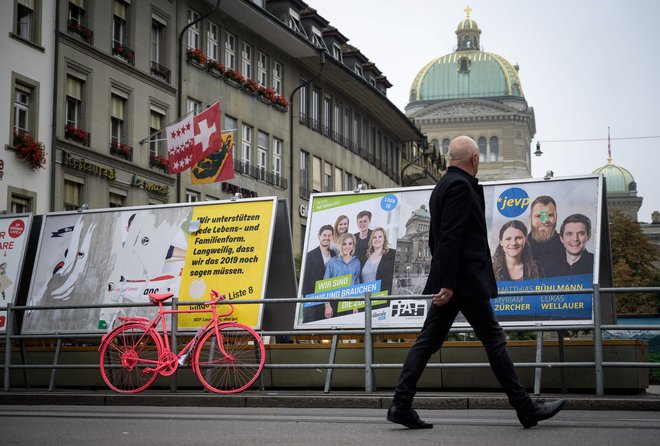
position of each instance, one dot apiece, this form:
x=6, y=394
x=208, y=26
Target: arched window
x=464, y=65
x=494, y=148
x=482, y=148
x=445, y=146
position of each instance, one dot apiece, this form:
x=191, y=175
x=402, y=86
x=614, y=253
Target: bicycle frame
x=164, y=337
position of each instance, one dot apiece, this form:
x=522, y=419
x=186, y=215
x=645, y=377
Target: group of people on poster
x=366, y=255
x=542, y=251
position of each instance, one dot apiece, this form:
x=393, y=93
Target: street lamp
x=538, y=149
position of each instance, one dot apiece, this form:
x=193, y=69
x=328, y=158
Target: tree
x=632, y=262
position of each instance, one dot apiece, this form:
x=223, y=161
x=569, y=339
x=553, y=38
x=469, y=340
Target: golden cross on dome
x=468, y=10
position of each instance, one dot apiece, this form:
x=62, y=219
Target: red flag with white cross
x=193, y=138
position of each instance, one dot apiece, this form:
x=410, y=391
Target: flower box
x=159, y=162
x=85, y=33
x=196, y=55
x=215, y=68
x=76, y=134
x=30, y=150
x=235, y=78
x=121, y=150
x=251, y=87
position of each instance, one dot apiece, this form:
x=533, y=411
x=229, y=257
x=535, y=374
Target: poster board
x=404, y=218
x=114, y=256
x=14, y=236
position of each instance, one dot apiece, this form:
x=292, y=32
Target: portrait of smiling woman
x=513, y=259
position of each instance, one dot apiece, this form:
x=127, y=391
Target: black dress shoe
x=541, y=411
x=407, y=417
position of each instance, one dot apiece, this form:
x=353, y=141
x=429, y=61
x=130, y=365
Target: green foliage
x=654, y=374
x=632, y=262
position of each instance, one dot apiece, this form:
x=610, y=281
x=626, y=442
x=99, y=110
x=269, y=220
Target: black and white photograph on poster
x=373, y=242
x=101, y=258
x=14, y=233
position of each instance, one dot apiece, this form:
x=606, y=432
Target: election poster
x=544, y=236
x=119, y=256
x=14, y=233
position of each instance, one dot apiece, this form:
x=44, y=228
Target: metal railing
x=368, y=332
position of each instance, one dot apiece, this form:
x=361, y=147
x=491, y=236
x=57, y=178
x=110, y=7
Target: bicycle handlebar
x=217, y=297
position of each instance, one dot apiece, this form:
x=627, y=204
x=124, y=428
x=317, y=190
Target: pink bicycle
x=227, y=357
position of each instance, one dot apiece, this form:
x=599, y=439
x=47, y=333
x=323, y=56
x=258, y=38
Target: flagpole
x=179, y=81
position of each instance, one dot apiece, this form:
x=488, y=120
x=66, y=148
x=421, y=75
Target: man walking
x=461, y=279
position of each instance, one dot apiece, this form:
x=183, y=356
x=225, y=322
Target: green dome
x=466, y=74
x=617, y=178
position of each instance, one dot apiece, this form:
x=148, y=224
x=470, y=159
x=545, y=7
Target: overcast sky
x=584, y=65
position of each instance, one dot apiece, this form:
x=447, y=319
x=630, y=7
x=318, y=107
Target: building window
x=316, y=174
x=20, y=204
x=22, y=108
x=246, y=146
x=193, y=106
x=327, y=117
x=117, y=199
x=348, y=180
x=246, y=60
x=119, y=14
x=481, y=142
x=358, y=70
x=157, y=33
x=317, y=38
x=348, y=120
x=155, y=125
x=294, y=22
x=336, y=52
x=192, y=196
x=262, y=69
x=262, y=155
x=338, y=177
x=230, y=50
x=26, y=26
x=74, y=87
x=316, y=108
x=303, y=102
x=212, y=37
x=327, y=177
x=193, y=31
x=277, y=77
x=117, y=127
x=304, y=173
x=494, y=148
x=277, y=157
x=72, y=195
x=337, y=122
x=357, y=130
x=76, y=12
x=230, y=124
x=445, y=146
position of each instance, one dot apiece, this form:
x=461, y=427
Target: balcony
x=75, y=134
x=160, y=71
x=82, y=31
x=123, y=52
x=260, y=174
x=121, y=150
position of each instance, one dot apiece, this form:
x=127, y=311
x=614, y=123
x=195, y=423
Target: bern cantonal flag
x=193, y=138
x=218, y=166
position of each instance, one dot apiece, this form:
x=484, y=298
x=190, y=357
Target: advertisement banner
x=14, y=233
x=116, y=256
x=377, y=242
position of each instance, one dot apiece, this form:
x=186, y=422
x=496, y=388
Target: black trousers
x=439, y=320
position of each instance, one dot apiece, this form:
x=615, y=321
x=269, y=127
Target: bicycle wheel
x=125, y=354
x=239, y=368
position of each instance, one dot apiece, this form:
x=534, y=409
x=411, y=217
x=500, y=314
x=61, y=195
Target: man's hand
x=443, y=297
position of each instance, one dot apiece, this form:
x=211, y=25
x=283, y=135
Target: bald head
x=464, y=154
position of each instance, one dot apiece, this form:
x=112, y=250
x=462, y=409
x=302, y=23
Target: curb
x=316, y=400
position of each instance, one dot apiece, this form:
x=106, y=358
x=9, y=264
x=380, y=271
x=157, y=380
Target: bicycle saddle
x=155, y=298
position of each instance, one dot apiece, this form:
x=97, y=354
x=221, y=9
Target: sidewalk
x=648, y=401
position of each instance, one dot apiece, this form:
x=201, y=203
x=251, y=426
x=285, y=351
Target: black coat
x=314, y=269
x=458, y=238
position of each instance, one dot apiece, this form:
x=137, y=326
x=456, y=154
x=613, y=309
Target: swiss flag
x=193, y=139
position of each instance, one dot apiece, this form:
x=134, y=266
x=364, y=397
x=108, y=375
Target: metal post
x=8, y=330
x=26, y=377
x=562, y=358
x=368, y=346
x=331, y=361
x=173, y=338
x=539, y=358
x=598, y=342
x=56, y=360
